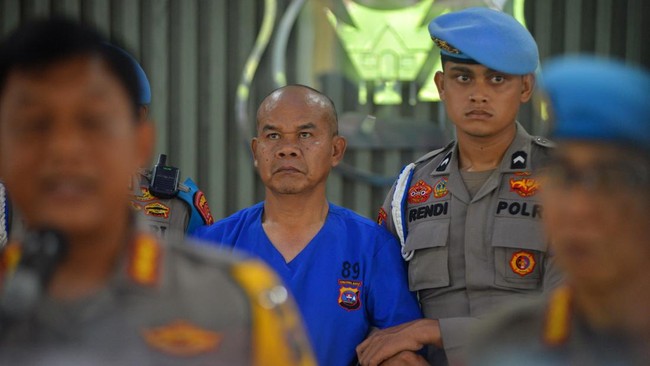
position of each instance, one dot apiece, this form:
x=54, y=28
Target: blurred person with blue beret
x=87, y=284
x=596, y=201
x=172, y=214
x=468, y=215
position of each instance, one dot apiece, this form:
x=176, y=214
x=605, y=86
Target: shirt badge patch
x=157, y=209
x=181, y=338
x=201, y=204
x=419, y=192
x=350, y=294
x=145, y=195
x=381, y=218
x=440, y=188
x=518, y=160
x=524, y=185
x=522, y=263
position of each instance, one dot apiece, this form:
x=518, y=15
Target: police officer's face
x=295, y=148
x=596, y=203
x=69, y=144
x=482, y=102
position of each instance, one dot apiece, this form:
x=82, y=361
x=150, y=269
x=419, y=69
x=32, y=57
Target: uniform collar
x=516, y=158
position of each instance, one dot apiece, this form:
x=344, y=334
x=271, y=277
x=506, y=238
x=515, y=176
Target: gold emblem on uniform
x=145, y=196
x=524, y=185
x=440, y=188
x=144, y=262
x=443, y=45
x=181, y=338
x=156, y=209
x=522, y=263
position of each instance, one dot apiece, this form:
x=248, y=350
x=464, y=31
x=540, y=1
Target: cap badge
x=443, y=45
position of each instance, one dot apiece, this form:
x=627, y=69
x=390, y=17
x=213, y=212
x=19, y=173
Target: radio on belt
x=164, y=179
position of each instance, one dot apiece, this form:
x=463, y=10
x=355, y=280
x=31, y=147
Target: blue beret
x=489, y=37
x=144, y=89
x=598, y=99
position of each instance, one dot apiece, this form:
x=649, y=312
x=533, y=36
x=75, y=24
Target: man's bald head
x=300, y=95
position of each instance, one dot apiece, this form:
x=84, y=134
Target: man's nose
x=288, y=147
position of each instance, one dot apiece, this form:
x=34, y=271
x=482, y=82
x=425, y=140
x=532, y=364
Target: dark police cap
x=488, y=37
x=600, y=100
x=144, y=89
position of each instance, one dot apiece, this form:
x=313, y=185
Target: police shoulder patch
x=349, y=294
x=201, y=205
x=419, y=192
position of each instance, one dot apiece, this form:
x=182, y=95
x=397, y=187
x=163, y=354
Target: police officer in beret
x=169, y=211
x=86, y=286
x=468, y=215
x=596, y=201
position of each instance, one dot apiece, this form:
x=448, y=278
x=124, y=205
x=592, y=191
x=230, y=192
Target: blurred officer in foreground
x=596, y=201
x=468, y=214
x=343, y=269
x=171, y=208
x=86, y=286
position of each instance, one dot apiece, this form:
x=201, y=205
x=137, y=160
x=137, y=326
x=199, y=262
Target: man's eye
x=463, y=78
x=304, y=135
x=273, y=136
x=498, y=79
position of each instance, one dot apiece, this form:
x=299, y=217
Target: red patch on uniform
x=524, y=185
x=381, y=218
x=201, y=204
x=419, y=192
x=440, y=188
x=522, y=263
x=349, y=294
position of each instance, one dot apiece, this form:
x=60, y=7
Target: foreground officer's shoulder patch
x=182, y=339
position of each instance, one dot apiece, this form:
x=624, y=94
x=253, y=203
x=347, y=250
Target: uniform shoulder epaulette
x=434, y=153
x=543, y=141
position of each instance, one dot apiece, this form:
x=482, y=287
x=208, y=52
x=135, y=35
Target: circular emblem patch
x=440, y=189
x=522, y=263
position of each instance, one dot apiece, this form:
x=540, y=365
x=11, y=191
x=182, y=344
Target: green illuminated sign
x=390, y=46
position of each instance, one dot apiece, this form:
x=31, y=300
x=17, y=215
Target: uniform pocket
x=429, y=266
x=519, y=253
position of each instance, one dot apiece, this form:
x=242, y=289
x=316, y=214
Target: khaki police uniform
x=171, y=218
x=471, y=255
x=548, y=331
x=166, y=304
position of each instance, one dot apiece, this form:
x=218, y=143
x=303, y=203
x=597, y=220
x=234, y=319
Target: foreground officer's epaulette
x=434, y=153
x=543, y=141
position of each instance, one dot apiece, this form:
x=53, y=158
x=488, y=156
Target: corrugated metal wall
x=194, y=52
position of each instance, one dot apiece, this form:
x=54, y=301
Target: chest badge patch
x=420, y=192
x=524, y=185
x=156, y=209
x=349, y=294
x=145, y=195
x=381, y=218
x=522, y=263
x=440, y=189
x=181, y=338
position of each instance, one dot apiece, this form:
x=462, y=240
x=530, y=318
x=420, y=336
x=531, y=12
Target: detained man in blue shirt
x=344, y=270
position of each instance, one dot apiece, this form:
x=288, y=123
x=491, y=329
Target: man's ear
x=338, y=149
x=527, y=87
x=439, y=79
x=254, y=150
